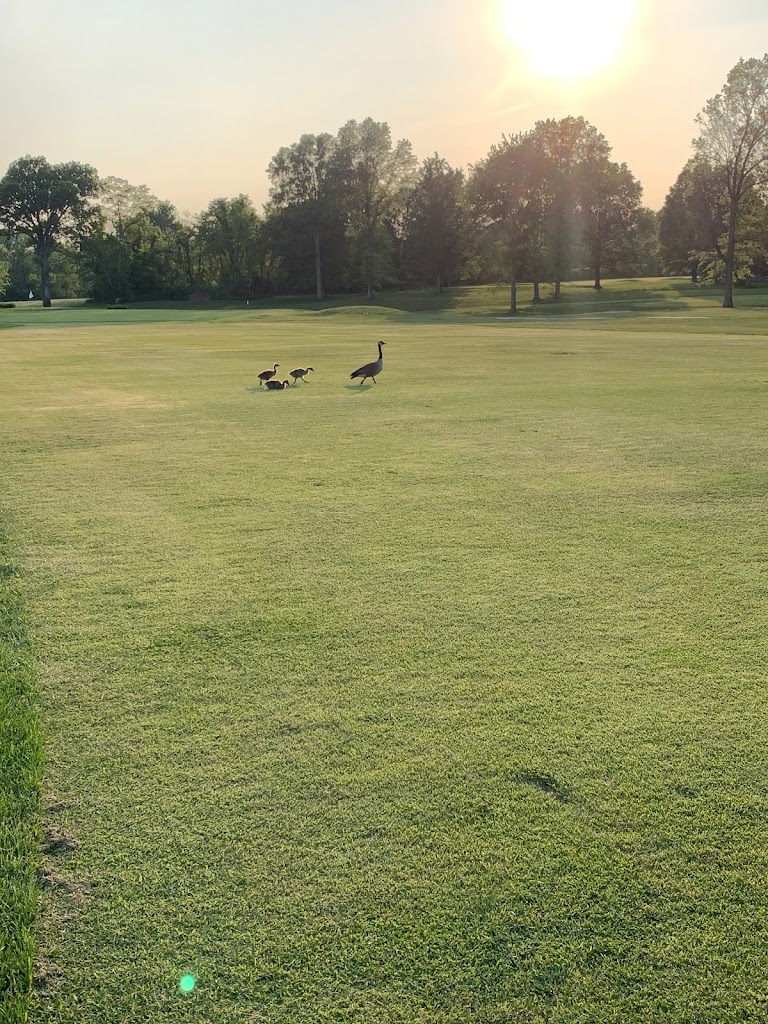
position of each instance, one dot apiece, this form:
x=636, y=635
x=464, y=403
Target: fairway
x=432, y=701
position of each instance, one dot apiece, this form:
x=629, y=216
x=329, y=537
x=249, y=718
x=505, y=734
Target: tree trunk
x=536, y=295
x=513, y=295
x=730, y=253
x=119, y=257
x=318, y=269
x=597, y=260
x=45, y=274
x=694, y=271
x=439, y=284
x=557, y=286
x=370, y=290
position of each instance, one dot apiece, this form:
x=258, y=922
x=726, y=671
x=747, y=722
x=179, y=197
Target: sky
x=194, y=98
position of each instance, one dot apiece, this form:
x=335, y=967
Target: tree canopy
x=356, y=211
x=733, y=136
x=43, y=201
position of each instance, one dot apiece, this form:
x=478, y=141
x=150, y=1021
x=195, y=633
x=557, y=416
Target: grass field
x=434, y=701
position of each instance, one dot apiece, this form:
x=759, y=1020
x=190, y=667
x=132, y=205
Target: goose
x=276, y=385
x=267, y=375
x=370, y=369
x=301, y=374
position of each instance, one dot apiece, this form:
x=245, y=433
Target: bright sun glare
x=566, y=39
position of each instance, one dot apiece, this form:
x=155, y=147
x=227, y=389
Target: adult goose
x=301, y=374
x=276, y=385
x=370, y=369
x=267, y=375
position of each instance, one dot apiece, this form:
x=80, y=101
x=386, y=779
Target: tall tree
x=45, y=201
x=500, y=191
x=608, y=199
x=305, y=185
x=733, y=135
x=567, y=145
x=375, y=176
x=693, y=222
x=434, y=220
x=229, y=231
x=121, y=204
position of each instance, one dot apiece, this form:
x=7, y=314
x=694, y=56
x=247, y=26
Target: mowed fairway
x=437, y=700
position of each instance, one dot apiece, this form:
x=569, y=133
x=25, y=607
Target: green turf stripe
x=20, y=771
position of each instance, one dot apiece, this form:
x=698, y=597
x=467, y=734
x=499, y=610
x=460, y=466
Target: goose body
x=276, y=385
x=301, y=374
x=267, y=375
x=370, y=369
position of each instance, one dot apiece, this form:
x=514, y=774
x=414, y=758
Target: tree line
x=356, y=211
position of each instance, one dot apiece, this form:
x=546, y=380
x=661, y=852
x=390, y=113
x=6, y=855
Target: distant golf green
x=437, y=700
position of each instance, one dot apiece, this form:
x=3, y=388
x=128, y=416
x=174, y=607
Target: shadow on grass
x=357, y=389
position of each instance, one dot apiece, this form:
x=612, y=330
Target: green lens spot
x=187, y=983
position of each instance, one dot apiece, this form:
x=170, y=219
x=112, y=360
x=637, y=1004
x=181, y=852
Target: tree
x=44, y=202
x=375, y=177
x=229, y=231
x=434, y=221
x=305, y=186
x=634, y=251
x=693, y=222
x=122, y=203
x=134, y=246
x=608, y=198
x=734, y=136
x=502, y=192
x=566, y=145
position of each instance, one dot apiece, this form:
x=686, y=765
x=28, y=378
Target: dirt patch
x=45, y=974
x=53, y=804
x=56, y=840
x=544, y=784
x=51, y=879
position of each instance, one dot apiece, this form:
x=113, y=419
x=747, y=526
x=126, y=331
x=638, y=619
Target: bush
x=7, y=305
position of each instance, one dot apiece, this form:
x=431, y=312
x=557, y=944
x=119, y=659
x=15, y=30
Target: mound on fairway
x=366, y=312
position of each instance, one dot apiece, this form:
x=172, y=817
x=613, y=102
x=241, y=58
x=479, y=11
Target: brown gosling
x=276, y=385
x=301, y=374
x=267, y=375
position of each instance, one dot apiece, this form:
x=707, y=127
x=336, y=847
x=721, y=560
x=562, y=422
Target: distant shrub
x=199, y=297
x=117, y=307
x=7, y=305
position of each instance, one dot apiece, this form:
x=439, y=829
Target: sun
x=566, y=39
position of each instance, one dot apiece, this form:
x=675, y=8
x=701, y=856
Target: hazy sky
x=193, y=98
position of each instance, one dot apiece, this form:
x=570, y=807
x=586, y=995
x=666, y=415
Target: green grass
x=619, y=297
x=437, y=701
x=20, y=770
